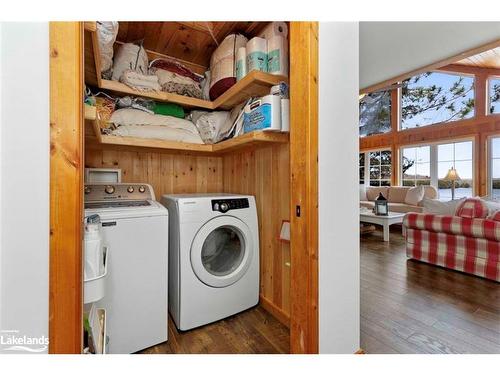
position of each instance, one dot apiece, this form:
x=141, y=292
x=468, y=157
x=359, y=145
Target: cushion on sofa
x=474, y=208
x=430, y=192
x=495, y=216
x=403, y=208
x=435, y=206
x=367, y=204
x=492, y=205
x=414, y=195
x=372, y=192
x=397, y=194
x=362, y=193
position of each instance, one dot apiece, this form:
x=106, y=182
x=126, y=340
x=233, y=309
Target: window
x=494, y=95
x=459, y=156
x=361, y=168
x=375, y=113
x=416, y=166
x=432, y=97
x=429, y=164
x=380, y=168
x=495, y=167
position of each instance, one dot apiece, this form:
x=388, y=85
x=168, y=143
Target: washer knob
x=130, y=189
x=87, y=190
x=142, y=189
x=109, y=189
x=224, y=207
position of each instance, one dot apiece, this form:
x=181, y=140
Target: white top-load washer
x=213, y=257
x=135, y=228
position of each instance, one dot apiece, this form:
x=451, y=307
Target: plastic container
x=94, y=287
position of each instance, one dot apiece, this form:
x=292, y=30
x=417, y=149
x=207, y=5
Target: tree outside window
x=375, y=113
x=380, y=168
x=494, y=95
x=436, y=97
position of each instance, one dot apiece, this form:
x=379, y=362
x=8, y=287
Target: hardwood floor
x=254, y=331
x=413, y=307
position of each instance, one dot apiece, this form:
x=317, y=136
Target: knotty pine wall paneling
x=167, y=173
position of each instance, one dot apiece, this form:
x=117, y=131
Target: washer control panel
x=224, y=205
x=122, y=191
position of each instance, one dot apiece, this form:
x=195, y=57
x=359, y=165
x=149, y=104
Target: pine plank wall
x=262, y=172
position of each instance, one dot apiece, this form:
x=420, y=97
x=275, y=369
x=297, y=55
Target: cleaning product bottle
x=93, y=251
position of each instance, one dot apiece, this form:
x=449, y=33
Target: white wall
x=388, y=49
x=24, y=178
x=338, y=188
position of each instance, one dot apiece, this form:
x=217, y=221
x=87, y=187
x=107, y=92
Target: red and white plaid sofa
x=468, y=243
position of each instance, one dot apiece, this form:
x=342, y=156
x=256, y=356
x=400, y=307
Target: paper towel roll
x=277, y=56
x=257, y=54
x=241, y=63
x=275, y=29
x=285, y=115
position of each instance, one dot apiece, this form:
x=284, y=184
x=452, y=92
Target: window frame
x=368, y=166
x=489, y=171
x=488, y=99
x=391, y=104
x=434, y=161
x=400, y=100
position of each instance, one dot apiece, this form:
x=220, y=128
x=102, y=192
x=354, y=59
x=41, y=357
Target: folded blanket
x=140, y=82
x=175, y=67
x=158, y=132
x=175, y=83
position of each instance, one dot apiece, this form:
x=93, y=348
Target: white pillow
x=437, y=207
x=414, y=195
x=492, y=205
x=157, y=132
x=131, y=116
x=362, y=193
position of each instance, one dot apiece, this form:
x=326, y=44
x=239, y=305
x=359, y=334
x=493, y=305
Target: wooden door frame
x=66, y=181
x=304, y=323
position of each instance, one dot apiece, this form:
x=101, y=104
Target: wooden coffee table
x=385, y=221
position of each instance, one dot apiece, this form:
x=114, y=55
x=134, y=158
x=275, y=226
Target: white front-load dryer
x=213, y=257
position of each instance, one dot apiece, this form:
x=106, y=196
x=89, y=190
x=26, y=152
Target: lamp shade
x=452, y=175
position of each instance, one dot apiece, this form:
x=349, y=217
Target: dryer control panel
x=224, y=205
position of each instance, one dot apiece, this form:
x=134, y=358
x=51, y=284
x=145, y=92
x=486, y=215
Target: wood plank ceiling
x=188, y=41
x=488, y=59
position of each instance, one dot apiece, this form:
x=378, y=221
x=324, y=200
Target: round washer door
x=222, y=251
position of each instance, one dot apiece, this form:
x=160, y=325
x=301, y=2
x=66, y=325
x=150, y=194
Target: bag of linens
x=106, y=36
x=222, y=64
x=130, y=56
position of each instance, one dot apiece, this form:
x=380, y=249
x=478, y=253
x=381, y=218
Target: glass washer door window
x=222, y=251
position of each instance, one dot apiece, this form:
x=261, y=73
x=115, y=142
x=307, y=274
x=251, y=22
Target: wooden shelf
x=161, y=96
x=254, y=84
x=253, y=139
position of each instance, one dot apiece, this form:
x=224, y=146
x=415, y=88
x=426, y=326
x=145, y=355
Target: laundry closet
x=275, y=166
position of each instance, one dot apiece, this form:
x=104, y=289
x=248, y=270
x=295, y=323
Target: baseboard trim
x=282, y=316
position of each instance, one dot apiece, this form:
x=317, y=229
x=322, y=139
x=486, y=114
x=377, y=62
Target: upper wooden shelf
x=254, y=84
x=256, y=138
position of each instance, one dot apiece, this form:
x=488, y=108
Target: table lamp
x=452, y=176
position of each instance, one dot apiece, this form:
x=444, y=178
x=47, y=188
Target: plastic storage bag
x=106, y=35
